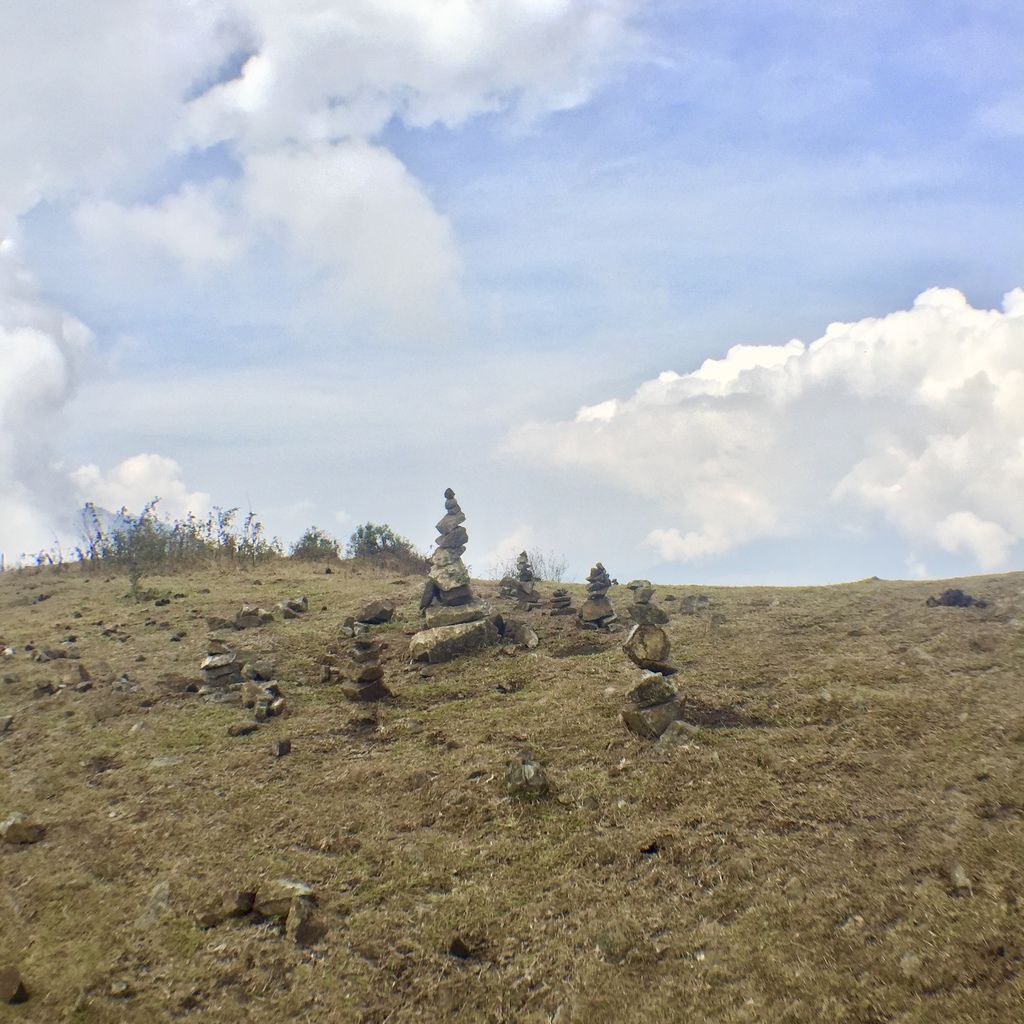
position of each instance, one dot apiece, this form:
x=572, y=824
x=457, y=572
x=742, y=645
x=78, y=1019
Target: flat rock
x=242, y=728
x=456, y=539
x=446, y=642
x=442, y=615
x=648, y=614
x=20, y=830
x=275, y=898
x=374, y=689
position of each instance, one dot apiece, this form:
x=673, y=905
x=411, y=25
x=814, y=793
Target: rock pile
x=221, y=668
x=293, y=607
x=651, y=706
x=526, y=583
x=250, y=616
x=561, y=603
x=597, y=611
x=644, y=611
x=283, y=899
x=455, y=620
x=364, y=675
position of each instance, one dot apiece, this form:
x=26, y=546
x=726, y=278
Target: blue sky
x=400, y=244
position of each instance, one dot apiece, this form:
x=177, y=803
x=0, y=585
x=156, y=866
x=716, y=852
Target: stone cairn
x=448, y=598
x=653, y=704
x=364, y=674
x=221, y=668
x=561, y=603
x=644, y=611
x=455, y=621
x=526, y=583
x=597, y=611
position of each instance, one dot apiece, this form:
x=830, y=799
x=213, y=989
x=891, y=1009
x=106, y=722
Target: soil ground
x=842, y=840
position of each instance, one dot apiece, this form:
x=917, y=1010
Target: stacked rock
x=447, y=598
x=597, y=611
x=561, y=603
x=652, y=705
x=644, y=611
x=364, y=676
x=508, y=587
x=221, y=668
x=526, y=585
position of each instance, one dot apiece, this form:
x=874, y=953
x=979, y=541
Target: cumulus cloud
x=915, y=419
x=137, y=480
x=42, y=352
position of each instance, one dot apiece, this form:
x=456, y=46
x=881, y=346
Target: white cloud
x=917, y=416
x=137, y=480
x=507, y=547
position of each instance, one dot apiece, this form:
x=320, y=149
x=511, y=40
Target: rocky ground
x=839, y=836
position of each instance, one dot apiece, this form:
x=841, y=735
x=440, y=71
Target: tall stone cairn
x=448, y=598
x=526, y=585
x=364, y=675
x=597, y=611
x=652, y=705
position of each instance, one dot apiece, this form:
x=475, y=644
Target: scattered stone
x=953, y=598
x=275, y=898
x=12, y=988
x=458, y=947
x=651, y=706
x=302, y=925
x=694, y=603
x=644, y=611
x=455, y=621
x=376, y=613
x=242, y=728
x=120, y=989
x=520, y=633
x=364, y=675
x=20, y=830
x=216, y=623
x=561, y=603
x=597, y=611
x=281, y=747
x=260, y=670
x=679, y=733
x=254, y=693
x=525, y=778
x=234, y=903
x=648, y=647
x=6, y=721
x=638, y=584
x=250, y=616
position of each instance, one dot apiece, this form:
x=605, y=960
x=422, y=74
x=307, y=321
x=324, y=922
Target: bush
x=315, y=545
x=549, y=566
x=380, y=545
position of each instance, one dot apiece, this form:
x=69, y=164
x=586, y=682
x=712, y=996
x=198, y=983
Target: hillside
x=841, y=840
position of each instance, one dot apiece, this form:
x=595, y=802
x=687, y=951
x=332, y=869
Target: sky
x=722, y=292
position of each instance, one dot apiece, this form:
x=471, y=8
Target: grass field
x=843, y=839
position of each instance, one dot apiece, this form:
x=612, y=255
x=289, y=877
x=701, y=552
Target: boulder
x=275, y=898
x=648, y=615
x=596, y=609
x=302, y=925
x=649, y=647
x=12, y=988
x=653, y=689
x=446, y=642
x=449, y=577
x=19, y=830
x=443, y=615
x=376, y=613
x=525, y=778
x=650, y=722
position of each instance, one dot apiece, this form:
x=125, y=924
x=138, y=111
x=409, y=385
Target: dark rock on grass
x=525, y=778
x=954, y=598
x=459, y=948
x=12, y=988
x=376, y=613
x=6, y=721
x=234, y=903
x=242, y=728
x=281, y=747
x=20, y=830
x=276, y=897
x=302, y=925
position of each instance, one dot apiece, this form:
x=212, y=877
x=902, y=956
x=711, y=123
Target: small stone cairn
x=526, y=583
x=364, y=674
x=597, y=611
x=644, y=611
x=456, y=622
x=221, y=668
x=561, y=603
x=653, y=704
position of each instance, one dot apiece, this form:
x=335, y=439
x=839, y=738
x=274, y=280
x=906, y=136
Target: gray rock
x=376, y=613
x=525, y=778
x=441, y=615
x=302, y=925
x=449, y=577
x=596, y=609
x=20, y=831
x=652, y=689
x=649, y=647
x=650, y=722
x=275, y=898
x=12, y=988
x=446, y=642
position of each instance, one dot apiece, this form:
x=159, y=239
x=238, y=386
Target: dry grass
x=793, y=864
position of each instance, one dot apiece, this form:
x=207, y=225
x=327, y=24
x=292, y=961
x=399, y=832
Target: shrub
x=380, y=545
x=549, y=566
x=315, y=545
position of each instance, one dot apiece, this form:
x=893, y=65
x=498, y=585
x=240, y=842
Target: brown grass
x=792, y=864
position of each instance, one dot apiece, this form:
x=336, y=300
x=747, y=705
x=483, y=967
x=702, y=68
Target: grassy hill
x=842, y=840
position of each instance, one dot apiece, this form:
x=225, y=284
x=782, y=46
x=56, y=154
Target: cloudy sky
x=719, y=290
